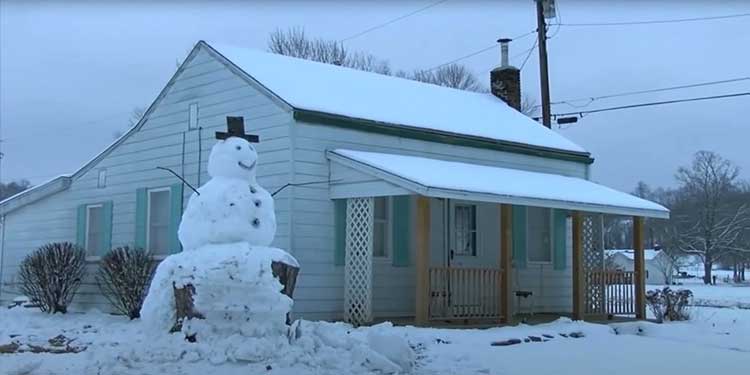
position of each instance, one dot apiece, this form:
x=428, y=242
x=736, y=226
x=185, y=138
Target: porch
x=470, y=241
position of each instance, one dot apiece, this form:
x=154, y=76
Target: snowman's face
x=233, y=157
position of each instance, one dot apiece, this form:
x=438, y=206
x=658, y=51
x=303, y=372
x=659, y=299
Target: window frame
x=551, y=248
x=388, y=231
x=89, y=255
x=148, y=220
x=475, y=210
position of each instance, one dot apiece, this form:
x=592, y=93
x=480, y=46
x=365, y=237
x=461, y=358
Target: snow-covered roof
x=35, y=193
x=649, y=254
x=458, y=180
x=356, y=94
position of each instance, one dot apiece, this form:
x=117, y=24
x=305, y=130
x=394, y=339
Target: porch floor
x=539, y=318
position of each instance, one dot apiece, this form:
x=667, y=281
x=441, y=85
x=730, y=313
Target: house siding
x=321, y=283
x=159, y=141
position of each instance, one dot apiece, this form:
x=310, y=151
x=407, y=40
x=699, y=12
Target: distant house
x=659, y=266
x=416, y=201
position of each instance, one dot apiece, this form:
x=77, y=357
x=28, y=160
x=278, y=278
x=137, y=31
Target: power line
x=485, y=49
x=399, y=18
x=581, y=113
x=531, y=50
x=651, y=22
x=591, y=99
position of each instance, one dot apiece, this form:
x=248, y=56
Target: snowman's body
x=231, y=207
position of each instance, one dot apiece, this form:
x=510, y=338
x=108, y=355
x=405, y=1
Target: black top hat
x=236, y=128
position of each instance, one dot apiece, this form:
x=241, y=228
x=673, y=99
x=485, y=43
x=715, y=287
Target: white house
x=414, y=195
x=659, y=267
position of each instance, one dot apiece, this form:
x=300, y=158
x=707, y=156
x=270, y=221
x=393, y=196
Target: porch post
x=506, y=249
x=422, y=260
x=579, y=293
x=640, y=269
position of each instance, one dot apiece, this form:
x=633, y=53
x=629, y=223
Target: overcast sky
x=71, y=73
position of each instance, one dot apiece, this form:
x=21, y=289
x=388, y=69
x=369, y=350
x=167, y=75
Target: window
x=94, y=229
x=382, y=230
x=157, y=235
x=465, y=229
x=539, y=235
x=102, y=179
x=193, y=116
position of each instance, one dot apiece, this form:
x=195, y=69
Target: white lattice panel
x=358, y=266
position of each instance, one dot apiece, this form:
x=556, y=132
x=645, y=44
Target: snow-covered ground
x=720, y=295
x=714, y=341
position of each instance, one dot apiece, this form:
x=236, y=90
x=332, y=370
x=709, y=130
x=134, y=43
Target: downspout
x=2, y=253
x=200, y=153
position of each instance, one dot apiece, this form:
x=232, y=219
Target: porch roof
x=458, y=180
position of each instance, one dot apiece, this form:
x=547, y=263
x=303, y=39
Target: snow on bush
x=669, y=304
x=235, y=291
x=51, y=275
x=123, y=277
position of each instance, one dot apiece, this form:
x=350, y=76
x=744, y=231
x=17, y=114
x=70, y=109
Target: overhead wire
x=663, y=21
x=591, y=99
x=649, y=104
x=485, y=49
x=394, y=20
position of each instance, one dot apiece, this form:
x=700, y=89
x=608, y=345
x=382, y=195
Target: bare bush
x=667, y=304
x=124, y=277
x=51, y=275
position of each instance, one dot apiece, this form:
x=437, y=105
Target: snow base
x=245, y=320
x=235, y=290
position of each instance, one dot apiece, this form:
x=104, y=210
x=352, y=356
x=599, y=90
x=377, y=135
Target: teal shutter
x=400, y=230
x=107, y=227
x=339, y=218
x=81, y=227
x=175, y=217
x=141, y=210
x=519, y=236
x=560, y=237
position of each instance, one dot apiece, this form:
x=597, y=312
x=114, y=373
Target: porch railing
x=611, y=292
x=464, y=293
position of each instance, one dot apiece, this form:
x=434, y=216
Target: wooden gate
x=613, y=292
x=464, y=293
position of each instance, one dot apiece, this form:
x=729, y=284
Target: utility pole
x=543, y=72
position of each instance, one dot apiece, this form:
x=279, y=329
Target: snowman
x=225, y=232
x=231, y=207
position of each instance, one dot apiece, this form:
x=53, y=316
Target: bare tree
x=12, y=188
x=295, y=43
x=665, y=265
x=453, y=75
x=529, y=106
x=135, y=115
x=709, y=227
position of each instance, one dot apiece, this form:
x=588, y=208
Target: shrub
x=667, y=304
x=51, y=275
x=124, y=277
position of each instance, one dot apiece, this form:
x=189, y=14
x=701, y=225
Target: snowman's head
x=234, y=158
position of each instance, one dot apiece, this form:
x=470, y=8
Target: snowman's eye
x=238, y=148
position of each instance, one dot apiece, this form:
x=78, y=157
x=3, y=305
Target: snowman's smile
x=245, y=166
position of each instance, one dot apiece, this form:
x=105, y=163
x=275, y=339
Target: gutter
x=431, y=135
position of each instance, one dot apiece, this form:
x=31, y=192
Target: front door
x=463, y=235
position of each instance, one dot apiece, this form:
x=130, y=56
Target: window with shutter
x=158, y=220
x=94, y=229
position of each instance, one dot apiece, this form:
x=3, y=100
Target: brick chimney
x=505, y=80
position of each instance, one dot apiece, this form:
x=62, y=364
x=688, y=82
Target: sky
x=71, y=73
